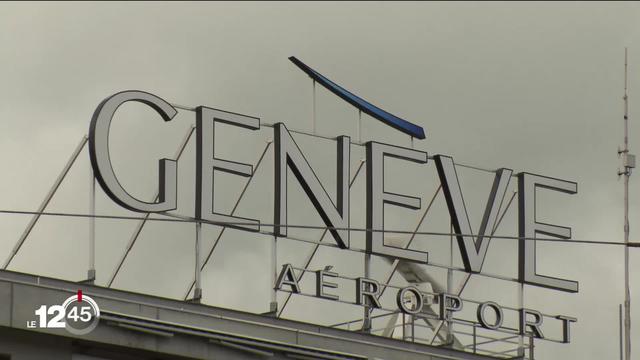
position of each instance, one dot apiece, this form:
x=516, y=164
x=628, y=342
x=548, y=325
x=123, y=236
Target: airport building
x=141, y=327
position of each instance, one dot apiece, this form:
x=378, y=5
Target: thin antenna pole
x=621, y=332
x=626, y=173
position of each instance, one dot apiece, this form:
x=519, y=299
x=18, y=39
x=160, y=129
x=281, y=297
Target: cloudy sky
x=528, y=86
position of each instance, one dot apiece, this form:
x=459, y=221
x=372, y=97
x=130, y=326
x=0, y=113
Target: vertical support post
x=366, y=320
x=311, y=254
x=413, y=328
x=450, y=281
x=408, y=328
x=273, y=305
x=531, y=347
x=91, y=273
x=141, y=223
x=475, y=339
x=521, y=306
x=197, y=292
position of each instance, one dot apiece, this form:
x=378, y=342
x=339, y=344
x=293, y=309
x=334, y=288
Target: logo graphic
x=389, y=119
x=78, y=314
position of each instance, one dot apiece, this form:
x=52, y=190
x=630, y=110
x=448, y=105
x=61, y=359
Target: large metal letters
x=336, y=216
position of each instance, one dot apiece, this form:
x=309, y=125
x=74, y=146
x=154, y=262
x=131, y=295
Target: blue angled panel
x=364, y=106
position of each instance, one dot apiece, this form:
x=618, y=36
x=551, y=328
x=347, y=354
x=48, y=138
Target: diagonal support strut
x=138, y=229
x=235, y=207
x=46, y=201
x=313, y=251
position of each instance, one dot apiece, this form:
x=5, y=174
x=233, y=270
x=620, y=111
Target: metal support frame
x=46, y=201
x=273, y=305
x=475, y=339
x=408, y=328
x=91, y=273
x=396, y=262
x=360, y=126
x=313, y=117
x=197, y=292
x=449, y=329
x=235, y=207
x=490, y=341
x=313, y=251
x=463, y=283
x=366, y=315
x=521, y=306
x=141, y=223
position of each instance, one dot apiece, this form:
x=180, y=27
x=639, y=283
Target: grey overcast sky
x=533, y=87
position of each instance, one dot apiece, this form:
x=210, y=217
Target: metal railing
x=409, y=328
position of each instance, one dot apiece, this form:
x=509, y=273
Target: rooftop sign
x=290, y=158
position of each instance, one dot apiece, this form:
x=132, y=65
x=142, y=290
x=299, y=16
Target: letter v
x=473, y=249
